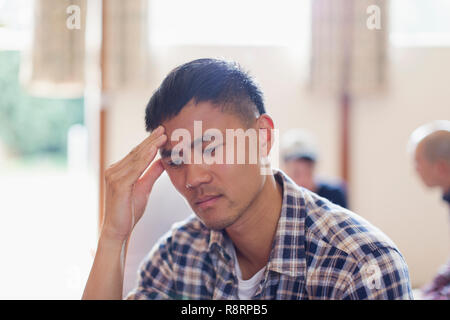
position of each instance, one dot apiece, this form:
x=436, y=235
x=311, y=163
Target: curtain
x=348, y=48
x=126, y=45
x=54, y=65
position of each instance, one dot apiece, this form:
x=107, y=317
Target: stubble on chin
x=219, y=224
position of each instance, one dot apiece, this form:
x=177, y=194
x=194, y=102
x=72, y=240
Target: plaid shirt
x=439, y=288
x=320, y=251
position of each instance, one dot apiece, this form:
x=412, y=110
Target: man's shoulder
x=330, y=225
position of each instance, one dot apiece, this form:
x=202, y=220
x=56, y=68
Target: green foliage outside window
x=33, y=126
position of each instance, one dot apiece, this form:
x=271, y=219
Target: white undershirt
x=246, y=288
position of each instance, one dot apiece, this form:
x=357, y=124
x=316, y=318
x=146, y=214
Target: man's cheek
x=176, y=180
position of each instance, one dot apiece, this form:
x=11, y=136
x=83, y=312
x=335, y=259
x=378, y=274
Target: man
x=430, y=145
x=254, y=235
x=299, y=154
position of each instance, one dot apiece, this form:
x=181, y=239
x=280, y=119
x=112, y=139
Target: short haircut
x=435, y=138
x=223, y=83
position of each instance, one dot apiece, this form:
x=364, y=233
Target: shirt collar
x=220, y=243
x=288, y=250
x=216, y=240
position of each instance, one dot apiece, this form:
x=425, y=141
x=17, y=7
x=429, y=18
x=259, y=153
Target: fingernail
x=159, y=130
x=161, y=137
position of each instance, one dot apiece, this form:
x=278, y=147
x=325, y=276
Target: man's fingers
x=137, y=165
x=127, y=171
x=140, y=157
x=146, y=182
x=153, y=138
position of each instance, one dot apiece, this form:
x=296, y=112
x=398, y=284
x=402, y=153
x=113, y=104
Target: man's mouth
x=207, y=201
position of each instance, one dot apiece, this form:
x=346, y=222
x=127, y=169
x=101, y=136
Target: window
x=15, y=24
x=48, y=200
x=232, y=22
x=420, y=23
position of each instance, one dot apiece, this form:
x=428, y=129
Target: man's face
x=219, y=194
x=424, y=168
x=301, y=171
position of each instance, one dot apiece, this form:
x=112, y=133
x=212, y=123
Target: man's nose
x=196, y=175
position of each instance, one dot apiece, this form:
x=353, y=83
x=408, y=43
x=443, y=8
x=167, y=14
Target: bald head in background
x=430, y=145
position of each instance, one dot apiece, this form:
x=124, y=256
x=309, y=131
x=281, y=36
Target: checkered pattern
x=439, y=288
x=320, y=251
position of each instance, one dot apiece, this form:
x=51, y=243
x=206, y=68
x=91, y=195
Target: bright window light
x=15, y=24
x=420, y=23
x=231, y=22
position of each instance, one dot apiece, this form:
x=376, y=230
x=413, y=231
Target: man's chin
x=216, y=224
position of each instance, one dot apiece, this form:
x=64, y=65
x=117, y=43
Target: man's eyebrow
x=165, y=153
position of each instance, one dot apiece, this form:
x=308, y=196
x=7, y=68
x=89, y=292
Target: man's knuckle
x=108, y=175
x=111, y=178
x=134, y=151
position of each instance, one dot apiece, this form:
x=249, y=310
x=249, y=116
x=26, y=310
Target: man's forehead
x=205, y=127
x=210, y=114
x=199, y=122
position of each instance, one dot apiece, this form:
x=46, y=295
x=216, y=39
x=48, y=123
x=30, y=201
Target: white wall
x=383, y=188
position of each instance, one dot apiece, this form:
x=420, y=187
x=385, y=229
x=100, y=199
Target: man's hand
x=128, y=187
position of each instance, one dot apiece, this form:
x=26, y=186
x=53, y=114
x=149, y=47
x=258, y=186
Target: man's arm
x=106, y=277
x=127, y=192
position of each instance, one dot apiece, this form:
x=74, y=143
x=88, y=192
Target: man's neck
x=253, y=234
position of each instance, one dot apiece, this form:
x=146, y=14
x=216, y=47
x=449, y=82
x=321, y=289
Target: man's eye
x=212, y=150
x=175, y=163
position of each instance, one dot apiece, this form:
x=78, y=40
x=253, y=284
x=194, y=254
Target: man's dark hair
x=220, y=82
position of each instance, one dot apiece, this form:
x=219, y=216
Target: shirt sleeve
x=439, y=288
x=381, y=275
x=155, y=275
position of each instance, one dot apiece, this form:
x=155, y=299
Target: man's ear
x=266, y=137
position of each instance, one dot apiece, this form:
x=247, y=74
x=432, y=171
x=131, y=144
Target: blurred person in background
x=299, y=152
x=430, y=146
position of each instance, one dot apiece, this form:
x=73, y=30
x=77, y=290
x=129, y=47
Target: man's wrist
x=111, y=240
